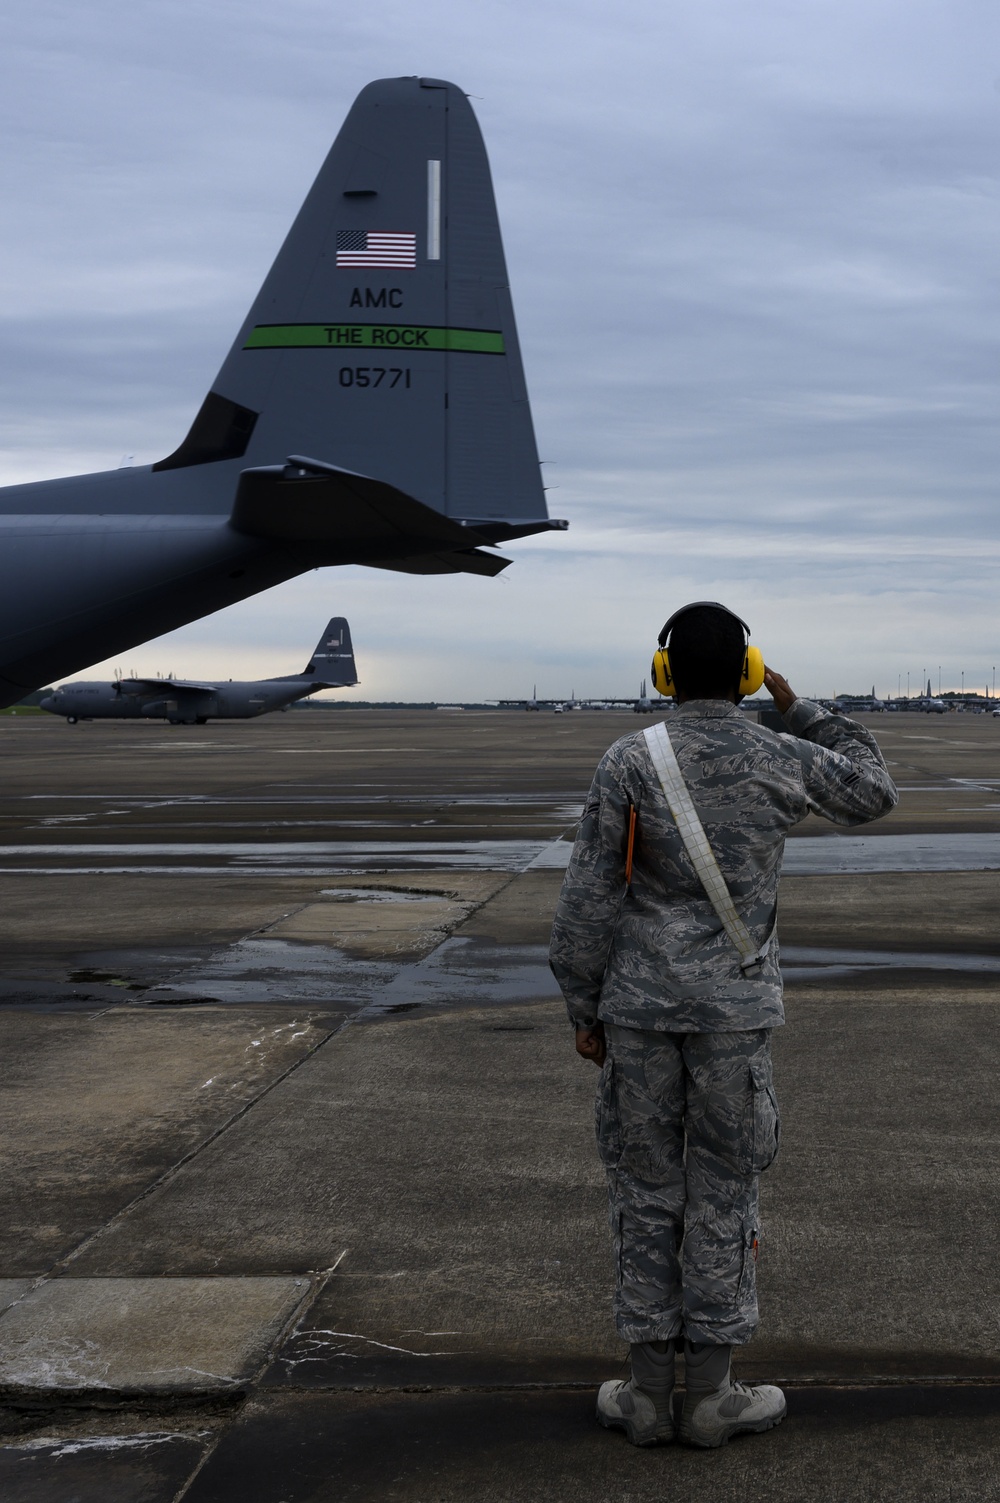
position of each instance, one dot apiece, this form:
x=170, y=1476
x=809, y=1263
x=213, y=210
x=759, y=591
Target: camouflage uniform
x=686, y=1114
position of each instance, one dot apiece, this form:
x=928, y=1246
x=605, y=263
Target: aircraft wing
x=156, y=685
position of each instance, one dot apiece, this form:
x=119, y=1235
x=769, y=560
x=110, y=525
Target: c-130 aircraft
x=188, y=702
x=372, y=410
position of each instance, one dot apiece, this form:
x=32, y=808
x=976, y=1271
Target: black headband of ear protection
x=695, y=605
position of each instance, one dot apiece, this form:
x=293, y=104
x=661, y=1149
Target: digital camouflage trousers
x=686, y=1123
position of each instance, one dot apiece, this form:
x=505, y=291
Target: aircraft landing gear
x=71, y=719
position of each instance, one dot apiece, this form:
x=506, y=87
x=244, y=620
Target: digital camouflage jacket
x=655, y=955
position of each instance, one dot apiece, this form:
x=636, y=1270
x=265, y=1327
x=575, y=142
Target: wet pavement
x=536, y=1447
x=807, y=962
x=460, y=972
x=807, y=856
x=301, y=1200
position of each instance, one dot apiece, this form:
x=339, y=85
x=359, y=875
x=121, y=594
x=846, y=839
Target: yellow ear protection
x=753, y=662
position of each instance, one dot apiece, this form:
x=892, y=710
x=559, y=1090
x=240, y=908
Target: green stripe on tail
x=374, y=337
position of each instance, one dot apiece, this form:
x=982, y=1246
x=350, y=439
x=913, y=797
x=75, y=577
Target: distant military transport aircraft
x=642, y=706
x=187, y=702
x=372, y=410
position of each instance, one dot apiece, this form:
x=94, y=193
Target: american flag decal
x=375, y=248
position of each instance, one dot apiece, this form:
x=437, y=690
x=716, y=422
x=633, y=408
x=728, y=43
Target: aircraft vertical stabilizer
x=332, y=663
x=383, y=340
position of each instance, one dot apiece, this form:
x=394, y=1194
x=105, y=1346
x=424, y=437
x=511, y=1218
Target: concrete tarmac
x=301, y=1199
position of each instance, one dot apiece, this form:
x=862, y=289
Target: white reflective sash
x=692, y=832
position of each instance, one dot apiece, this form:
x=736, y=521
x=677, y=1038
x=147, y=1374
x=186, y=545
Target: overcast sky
x=754, y=258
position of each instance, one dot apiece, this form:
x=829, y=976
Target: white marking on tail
x=433, y=211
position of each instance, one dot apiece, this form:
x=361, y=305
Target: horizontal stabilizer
x=353, y=519
x=505, y=532
x=470, y=561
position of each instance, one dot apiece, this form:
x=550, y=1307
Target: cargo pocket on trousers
x=761, y=1122
x=607, y=1119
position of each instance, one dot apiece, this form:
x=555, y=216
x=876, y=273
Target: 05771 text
x=374, y=375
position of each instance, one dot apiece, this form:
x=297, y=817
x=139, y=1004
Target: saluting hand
x=780, y=690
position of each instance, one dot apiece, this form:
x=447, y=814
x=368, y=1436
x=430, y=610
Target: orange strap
x=629, y=849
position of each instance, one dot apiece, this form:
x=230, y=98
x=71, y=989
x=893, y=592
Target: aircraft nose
x=48, y=703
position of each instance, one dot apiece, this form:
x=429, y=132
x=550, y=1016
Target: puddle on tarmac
x=804, y=962
x=460, y=972
x=470, y=973
x=378, y=895
x=276, y=971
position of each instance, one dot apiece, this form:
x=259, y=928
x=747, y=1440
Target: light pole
x=939, y=678
x=907, y=685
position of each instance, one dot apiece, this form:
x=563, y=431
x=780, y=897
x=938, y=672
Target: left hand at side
x=590, y=1044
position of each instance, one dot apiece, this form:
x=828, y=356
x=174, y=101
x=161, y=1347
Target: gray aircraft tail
x=332, y=663
x=383, y=347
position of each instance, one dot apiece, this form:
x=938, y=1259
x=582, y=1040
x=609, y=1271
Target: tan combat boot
x=715, y=1406
x=643, y=1406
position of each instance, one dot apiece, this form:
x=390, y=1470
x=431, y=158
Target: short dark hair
x=707, y=648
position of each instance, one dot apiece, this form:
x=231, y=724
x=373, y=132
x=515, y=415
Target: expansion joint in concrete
x=62, y=1264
